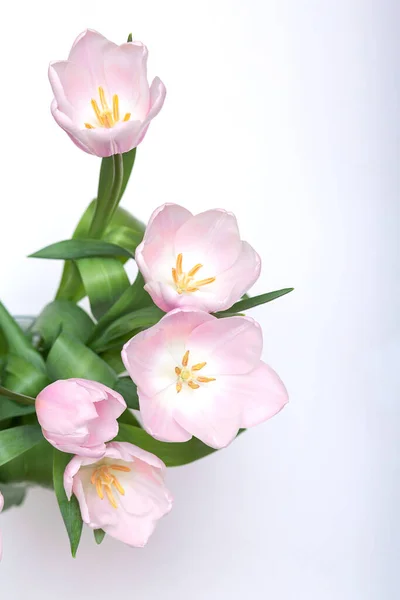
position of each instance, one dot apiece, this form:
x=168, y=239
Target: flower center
x=184, y=281
x=104, y=481
x=106, y=116
x=189, y=374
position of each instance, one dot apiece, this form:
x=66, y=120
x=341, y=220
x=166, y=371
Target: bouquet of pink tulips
x=164, y=370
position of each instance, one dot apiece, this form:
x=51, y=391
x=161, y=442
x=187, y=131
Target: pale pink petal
x=88, y=51
x=238, y=279
x=262, y=394
x=209, y=413
x=151, y=356
x=155, y=256
x=230, y=346
x=210, y=238
x=157, y=416
x=127, y=452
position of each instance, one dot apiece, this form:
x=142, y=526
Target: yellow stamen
x=193, y=385
x=178, y=371
x=198, y=366
x=205, y=281
x=127, y=117
x=96, y=110
x=185, y=358
x=111, y=497
x=120, y=468
x=89, y=126
x=193, y=271
x=179, y=386
x=205, y=379
x=107, y=120
x=116, y=108
x=103, y=481
x=103, y=100
x=175, y=276
x=179, y=264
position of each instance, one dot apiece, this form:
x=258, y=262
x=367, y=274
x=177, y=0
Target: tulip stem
x=106, y=206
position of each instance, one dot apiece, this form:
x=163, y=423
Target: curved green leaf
x=247, y=303
x=10, y=409
x=17, y=440
x=173, y=454
x=104, y=280
x=34, y=466
x=20, y=398
x=70, y=510
x=128, y=390
x=63, y=315
x=124, y=237
x=127, y=325
x=70, y=358
x=23, y=377
x=73, y=249
x=17, y=341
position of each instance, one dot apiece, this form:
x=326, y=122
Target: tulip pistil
x=189, y=374
x=104, y=481
x=184, y=282
x=106, y=117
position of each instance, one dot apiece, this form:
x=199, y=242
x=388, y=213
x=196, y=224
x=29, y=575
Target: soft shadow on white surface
x=286, y=113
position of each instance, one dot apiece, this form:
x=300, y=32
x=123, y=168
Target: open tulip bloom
x=163, y=370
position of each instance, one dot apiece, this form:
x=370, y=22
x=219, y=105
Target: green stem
x=106, y=207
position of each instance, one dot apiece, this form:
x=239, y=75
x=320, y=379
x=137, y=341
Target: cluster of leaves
x=65, y=341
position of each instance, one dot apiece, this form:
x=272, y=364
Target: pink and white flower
x=122, y=493
x=1, y=540
x=79, y=416
x=196, y=261
x=202, y=376
x=102, y=98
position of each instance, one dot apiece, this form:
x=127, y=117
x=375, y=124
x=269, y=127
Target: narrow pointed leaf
x=128, y=390
x=17, y=341
x=74, y=249
x=247, y=303
x=10, y=409
x=23, y=377
x=70, y=510
x=20, y=398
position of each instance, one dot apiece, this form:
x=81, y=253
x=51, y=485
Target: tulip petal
x=210, y=238
x=88, y=51
x=210, y=414
x=157, y=414
x=230, y=346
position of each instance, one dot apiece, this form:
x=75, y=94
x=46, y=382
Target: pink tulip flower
x=102, y=98
x=1, y=508
x=79, y=416
x=195, y=261
x=202, y=376
x=122, y=493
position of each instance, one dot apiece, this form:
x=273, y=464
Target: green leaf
x=17, y=341
x=124, y=237
x=128, y=418
x=34, y=466
x=104, y=280
x=10, y=409
x=252, y=302
x=128, y=390
x=70, y=510
x=17, y=440
x=99, y=535
x=14, y=495
x=113, y=358
x=127, y=326
x=24, y=377
x=73, y=249
x=71, y=287
x=68, y=358
x=133, y=298
x=63, y=315
x=20, y=398
x=173, y=454
x=129, y=37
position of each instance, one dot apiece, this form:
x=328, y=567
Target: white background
x=285, y=112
